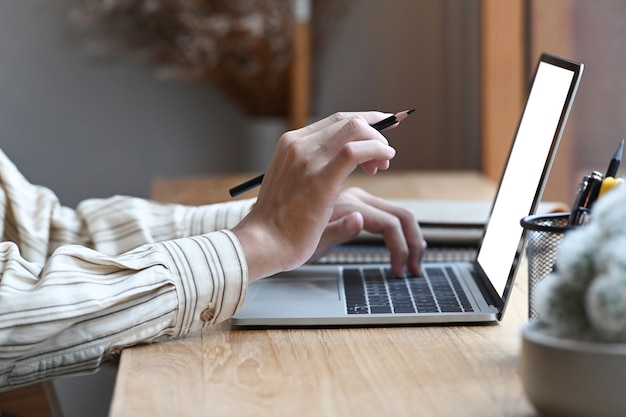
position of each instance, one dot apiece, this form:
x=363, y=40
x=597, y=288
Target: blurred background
x=96, y=99
x=89, y=121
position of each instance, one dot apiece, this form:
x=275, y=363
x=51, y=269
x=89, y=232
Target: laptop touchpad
x=288, y=288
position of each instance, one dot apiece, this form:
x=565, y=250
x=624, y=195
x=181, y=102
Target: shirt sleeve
x=77, y=286
x=118, y=224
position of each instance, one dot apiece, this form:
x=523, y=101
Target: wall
x=601, y=104
x=575, y=29
x=87, y=126
x=90, y=127
x=400, y=54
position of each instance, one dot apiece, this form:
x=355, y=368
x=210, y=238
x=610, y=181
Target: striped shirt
x=78, y=285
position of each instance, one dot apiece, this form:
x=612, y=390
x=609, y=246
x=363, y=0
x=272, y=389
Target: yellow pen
x=608, y=184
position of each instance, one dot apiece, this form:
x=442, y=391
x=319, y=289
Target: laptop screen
x=528, y=165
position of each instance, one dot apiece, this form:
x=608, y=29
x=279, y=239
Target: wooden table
x=402, y=371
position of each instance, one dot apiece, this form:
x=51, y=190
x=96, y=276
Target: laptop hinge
x=487, y=291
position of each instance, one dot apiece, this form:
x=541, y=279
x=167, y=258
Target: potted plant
x=573, y=358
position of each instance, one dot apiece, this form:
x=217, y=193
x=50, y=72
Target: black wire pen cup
x=544, y=234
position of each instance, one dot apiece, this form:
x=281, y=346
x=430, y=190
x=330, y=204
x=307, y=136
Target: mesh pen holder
x=544, y=233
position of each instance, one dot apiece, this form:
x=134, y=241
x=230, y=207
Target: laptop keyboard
x=360, y=254
x=376, y=291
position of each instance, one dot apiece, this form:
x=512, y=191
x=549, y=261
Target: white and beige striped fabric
x=78, y=285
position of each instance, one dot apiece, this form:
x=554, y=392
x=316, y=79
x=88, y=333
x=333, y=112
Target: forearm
x=83, y=307
x=121, y=223
x=36, y=221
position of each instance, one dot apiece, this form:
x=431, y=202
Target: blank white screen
x=523, y=172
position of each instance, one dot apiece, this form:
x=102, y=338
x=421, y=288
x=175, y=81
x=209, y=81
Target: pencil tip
x=412, y=110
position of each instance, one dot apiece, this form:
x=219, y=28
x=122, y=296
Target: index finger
x=410, y=236
x=369, y=116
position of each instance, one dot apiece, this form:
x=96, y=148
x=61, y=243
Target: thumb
x=339, y=231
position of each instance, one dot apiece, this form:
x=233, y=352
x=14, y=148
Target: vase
x=567, y=377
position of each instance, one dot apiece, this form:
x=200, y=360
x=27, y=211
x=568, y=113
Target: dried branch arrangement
x=242, y=46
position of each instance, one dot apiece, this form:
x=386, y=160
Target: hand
x=301, y=188
x=357, y=210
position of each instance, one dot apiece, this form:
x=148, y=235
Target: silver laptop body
x=472, y=291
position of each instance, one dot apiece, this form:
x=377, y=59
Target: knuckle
x=339, y=116
x=347, y=152
x=287, y=138
x=290, y=143
x=394, y=224
x=355, y=124
x=351, y=195
x=417, y=246
x=407, y=214
x=397, y=223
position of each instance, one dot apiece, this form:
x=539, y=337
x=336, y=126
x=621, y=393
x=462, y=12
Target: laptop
x=470, y=291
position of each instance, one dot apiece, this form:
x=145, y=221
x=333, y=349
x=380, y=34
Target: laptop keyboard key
x=377, y=291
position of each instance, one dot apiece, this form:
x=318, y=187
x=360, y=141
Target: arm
x=82, y=307
x=34, y=219
x=120, y=223
x=69, y=312
x=77, y=286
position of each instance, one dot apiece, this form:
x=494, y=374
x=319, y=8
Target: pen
x=588, y=191
x=380, y=125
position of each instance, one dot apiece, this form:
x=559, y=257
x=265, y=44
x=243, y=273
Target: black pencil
x=615, y=161
x=380, y=125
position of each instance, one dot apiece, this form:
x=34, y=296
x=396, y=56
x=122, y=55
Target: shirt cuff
x=211, y=277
